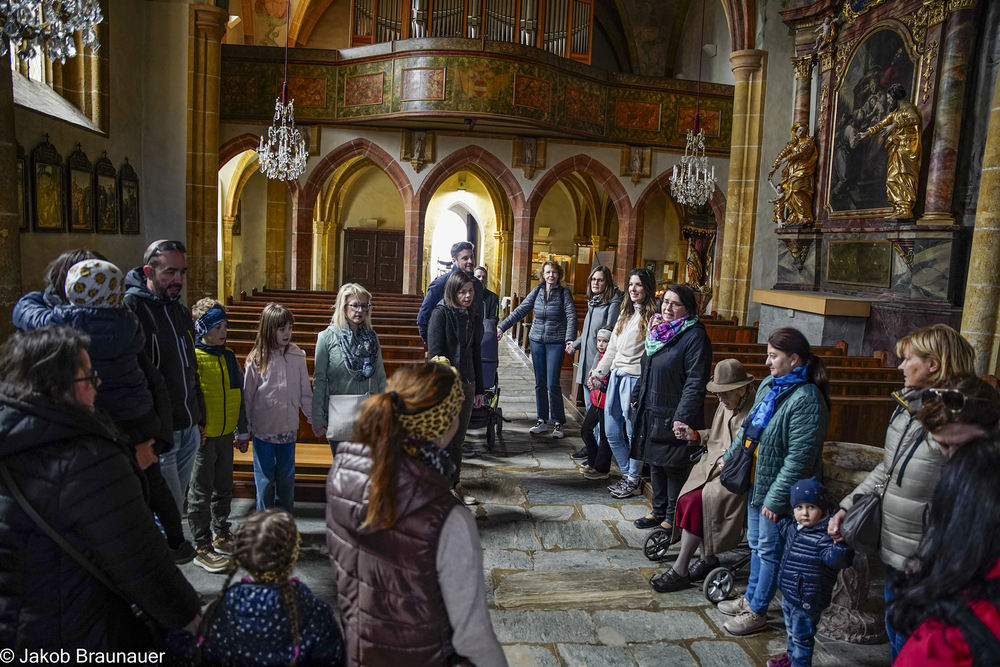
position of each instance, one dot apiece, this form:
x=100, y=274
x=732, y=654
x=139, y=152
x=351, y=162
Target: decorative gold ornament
x=803, y=66
x=928, y=83
x=904, y=248
x=826, y=32
x=901, y=127
x=826, y=60
x=824, y=104
x=798, y=179
x=798, y=249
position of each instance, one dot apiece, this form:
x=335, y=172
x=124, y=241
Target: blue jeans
x=765, y=559
x=176, y=464
x=274, y=474
x=617, y=425
x=547, y=358
x=896, y=640
x=801, y=628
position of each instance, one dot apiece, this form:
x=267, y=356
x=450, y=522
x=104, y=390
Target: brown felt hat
x=729, y=375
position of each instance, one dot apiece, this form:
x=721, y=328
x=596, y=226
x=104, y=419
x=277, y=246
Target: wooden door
x=359, y=257
x=374, y=259
x=389, y=262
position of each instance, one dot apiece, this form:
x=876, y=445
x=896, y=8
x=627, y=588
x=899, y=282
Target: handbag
x=862, y=526
x=735, y=475
x=341, y=412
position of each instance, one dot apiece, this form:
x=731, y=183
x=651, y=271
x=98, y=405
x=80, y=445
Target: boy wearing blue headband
x=210, y=492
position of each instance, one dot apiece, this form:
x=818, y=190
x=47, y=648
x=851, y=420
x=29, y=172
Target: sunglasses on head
x=164, y=246
x=951, y=399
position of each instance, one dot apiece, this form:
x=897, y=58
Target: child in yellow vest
x=210, y=492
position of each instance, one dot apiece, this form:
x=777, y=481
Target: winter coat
x=222, y=386
x=671, y=388
x=435, y=293
x=273, y=398
x=116, y=340
x=909, y=490
x=491, y=306
x=724, y=513
x=170, y=345
x=791, y=447
x=330, y=377
x=387, y=585
x=809, y=564
x=88, y=487
x=553, y=313
x=601, y=315
x=599, y=396
x=443, y=339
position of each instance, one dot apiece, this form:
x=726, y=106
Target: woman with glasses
x=709, y=517
x=911, y=463
x=958, y=411
x=348, y=356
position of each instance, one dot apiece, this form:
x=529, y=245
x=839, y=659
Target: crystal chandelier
x=282, y=156
x=48, y=26
x=692, y=184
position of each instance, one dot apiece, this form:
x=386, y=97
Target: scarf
x=360, y=351
x=761, y=414
x=429, y=454
x=661, y=332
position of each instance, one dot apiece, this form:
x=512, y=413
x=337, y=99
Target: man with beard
x=154, y=291
x=463, y=258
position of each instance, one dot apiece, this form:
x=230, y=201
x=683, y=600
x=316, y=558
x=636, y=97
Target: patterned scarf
x=428, y=453
x=760, y=416
x=662, y=332
x=360, y=351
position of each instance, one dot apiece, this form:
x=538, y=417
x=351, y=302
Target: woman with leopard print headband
x=406, y=553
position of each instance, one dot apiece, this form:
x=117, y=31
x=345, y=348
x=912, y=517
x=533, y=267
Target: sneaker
x=470, y=451
x=630, y=488
x=581, y=455
x=183, y=554
x=539, y=428
x=614, y=487
x=223, y=543
x=464, y=496
x=584, y=468
x=211, y=560
x=783, y=661
x=746, y=623
x=596, y=474
x=734, y=607
x=557, y=432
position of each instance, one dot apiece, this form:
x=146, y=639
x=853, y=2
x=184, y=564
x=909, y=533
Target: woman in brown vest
x=407, y=555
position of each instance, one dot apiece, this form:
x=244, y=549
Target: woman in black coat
x=670, y=395
x=67, y=461
x=450, y=334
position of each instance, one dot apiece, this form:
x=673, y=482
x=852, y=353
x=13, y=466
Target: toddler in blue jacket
x=809, y=564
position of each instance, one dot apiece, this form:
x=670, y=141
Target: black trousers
x=667, y=484
x=210, y=492
x=598, y=455
x=164, y=506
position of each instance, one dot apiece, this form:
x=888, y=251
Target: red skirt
x=689, y=513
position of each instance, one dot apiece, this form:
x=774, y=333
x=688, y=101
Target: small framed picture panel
x=106, y=196
x=23, y=221
x=128, y=193
x=80, y=192
x=47, y=202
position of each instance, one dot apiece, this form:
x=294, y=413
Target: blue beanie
x=810, y=491
x=212, y=317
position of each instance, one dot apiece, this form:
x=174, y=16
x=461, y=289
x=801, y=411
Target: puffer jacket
x=170, y=345
x=910, y=488
x=221, y=382
x=273, y=399
x=553, y=315
x=331, y=378
x=116, y=340
x=599, y=314
x=791, y=447
x=809, y=564
x=387, y=585
x=88, y=487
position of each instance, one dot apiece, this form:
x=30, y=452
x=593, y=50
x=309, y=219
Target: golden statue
x=798, y=179
x=901, y=129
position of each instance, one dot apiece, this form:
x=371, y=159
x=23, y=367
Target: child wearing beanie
x=809, y=565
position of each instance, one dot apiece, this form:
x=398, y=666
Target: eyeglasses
x=92, y=378
x=951, y=399
x=673, y=304
x=359, y=306
x=161, y=247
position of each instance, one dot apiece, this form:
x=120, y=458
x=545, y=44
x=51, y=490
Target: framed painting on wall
x=670, y=272
x=22, y=191
x=80, y=191
x=47, y=188
x=107, y=196
x=128, y=188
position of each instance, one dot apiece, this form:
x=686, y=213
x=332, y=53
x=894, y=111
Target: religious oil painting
x=81, y=201
x=128, y=205
x=858, y=174
x=107, y=205
x=48, y=198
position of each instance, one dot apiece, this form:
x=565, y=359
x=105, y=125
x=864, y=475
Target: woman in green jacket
x=788, y=424
x=348, y=355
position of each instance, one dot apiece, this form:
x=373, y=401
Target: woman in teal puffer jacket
x=788, y=422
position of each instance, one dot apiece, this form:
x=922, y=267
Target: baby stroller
x=719, y=583
x=490, y=416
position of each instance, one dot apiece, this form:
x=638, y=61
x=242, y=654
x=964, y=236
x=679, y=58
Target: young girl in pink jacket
x=275, y=390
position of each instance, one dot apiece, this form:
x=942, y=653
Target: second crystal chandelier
x=48, y=26
x=282, y=155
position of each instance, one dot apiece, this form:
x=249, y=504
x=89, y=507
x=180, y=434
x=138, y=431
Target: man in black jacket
x=491, y=301
x=154, y=291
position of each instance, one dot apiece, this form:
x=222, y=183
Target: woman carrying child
x=275, y=390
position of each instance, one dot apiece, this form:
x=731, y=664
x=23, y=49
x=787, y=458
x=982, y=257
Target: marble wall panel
x=902, y=276
x=790, y=274
x=931, y=273
x=822, y=330
x=890, y=321
x=849, y=329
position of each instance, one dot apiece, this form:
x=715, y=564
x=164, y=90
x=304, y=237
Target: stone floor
x=565, y=574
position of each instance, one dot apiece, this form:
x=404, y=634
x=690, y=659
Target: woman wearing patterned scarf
x=348, y=356
x=406, y=553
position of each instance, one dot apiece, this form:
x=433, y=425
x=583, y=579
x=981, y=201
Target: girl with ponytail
x=405, y=551
x=268, y=618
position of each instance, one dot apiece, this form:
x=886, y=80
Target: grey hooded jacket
x=603, y=314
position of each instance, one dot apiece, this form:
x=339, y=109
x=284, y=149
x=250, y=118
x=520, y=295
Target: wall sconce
x=461, y=183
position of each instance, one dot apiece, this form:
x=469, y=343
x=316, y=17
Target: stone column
x=598, y=242
x=333, y=256
x=207, y=26
x=501, y=268
x=274, y=236
x=949, y=107
x=226, y=287
x=982, y=289
x=10, y=236
x=413, y=242
x=750, y=69
x=803, y=88
x=320, y=255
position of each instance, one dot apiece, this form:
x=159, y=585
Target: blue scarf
x=760, y=416
x=429, y=454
